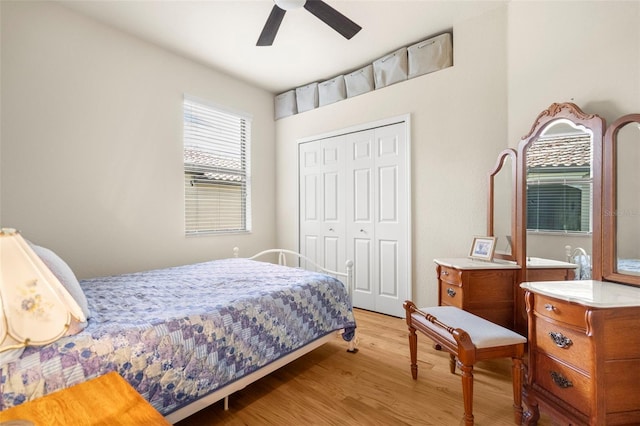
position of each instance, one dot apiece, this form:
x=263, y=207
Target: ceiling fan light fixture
x=327, y=14
x=289, y=4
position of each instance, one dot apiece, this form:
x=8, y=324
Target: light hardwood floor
x=330, y=386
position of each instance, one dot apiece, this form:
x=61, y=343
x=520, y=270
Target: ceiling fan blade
x=270, y=29
x=333, y=18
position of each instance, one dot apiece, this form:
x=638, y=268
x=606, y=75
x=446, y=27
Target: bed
x=579, y=257
x=188, y=336
x=629, y=266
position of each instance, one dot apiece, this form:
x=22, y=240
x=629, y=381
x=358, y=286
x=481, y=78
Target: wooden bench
x=468, y=338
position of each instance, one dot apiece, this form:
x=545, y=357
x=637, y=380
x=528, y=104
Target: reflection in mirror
x=501, y=214
x=559, y=190
x=627, y=213
x=557, y=201
x=621, y=201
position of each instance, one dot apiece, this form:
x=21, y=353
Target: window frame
x=216, y=144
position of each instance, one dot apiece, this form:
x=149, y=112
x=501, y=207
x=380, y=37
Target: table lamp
x=35, y=307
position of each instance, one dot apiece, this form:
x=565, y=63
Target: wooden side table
x=485, y=289
x=106, y=400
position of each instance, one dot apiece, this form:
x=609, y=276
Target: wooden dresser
x=485, y=289
x=584, y=352
x=540, y=270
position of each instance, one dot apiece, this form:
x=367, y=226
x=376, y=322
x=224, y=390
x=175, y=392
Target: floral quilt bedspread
x=180, y=333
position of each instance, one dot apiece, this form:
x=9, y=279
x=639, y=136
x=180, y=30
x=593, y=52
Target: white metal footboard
x=227, y=390
x=282, y=260
x=347, y=276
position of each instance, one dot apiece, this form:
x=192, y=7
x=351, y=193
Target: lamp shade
x=35, y=307
x=289, y=4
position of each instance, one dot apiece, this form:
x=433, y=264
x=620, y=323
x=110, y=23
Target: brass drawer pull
x=561, y=381
x=451, y=292
x=549, y=307
x=560, y=340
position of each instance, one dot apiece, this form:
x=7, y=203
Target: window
x=559, y=185
x=216, y=169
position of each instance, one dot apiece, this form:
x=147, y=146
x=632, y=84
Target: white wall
x=91, y=129
x=92, y=143
x=459, y=126
x=509, y=64
x=586, y=52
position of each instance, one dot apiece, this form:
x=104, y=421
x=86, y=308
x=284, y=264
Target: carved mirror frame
x=593, y=122
x=500, y=163
x=610, y=203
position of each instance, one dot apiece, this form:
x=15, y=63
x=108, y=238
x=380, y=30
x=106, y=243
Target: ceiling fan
x=319, y=8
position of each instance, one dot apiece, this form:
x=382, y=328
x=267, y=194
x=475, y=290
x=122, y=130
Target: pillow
x=65, y=275
x=10, y=355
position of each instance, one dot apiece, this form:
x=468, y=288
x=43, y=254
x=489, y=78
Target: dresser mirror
x=501, y=214
x=558, y=186
x=621, y=180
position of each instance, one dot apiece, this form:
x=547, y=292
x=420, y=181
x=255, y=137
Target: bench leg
x=467, y=393
x=413, y=351
x=452, y=363
x=517, y=374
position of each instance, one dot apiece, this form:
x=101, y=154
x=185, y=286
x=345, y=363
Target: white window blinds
x=216, y=169
x=560, y=184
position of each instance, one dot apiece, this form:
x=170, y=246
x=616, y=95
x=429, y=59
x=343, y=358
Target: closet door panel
x=333, y=176
x=391, y=221
x=354, y=204
x=388, y=194
x=332, y=253
x=363, y=294
x=388, y=264
x=322, y=208
x=331, y=197
x=360, y=212
x=309, y=247
x=311, y=187
x=333, y=203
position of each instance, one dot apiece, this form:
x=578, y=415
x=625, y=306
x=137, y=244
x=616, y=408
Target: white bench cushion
x=483, y=333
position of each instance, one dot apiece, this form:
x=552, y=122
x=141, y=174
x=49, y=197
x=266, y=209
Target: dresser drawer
x=564, y=382
x=451, y=295
x=450, y=275
x=560, y=310
x=573, y=347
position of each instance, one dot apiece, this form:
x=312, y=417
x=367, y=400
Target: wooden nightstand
x=485, y=289
x=106, y=400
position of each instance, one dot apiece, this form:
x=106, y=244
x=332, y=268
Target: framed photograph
x=483, y=248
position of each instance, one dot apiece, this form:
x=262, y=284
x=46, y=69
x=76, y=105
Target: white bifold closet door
x=355, y=204
x=322, y=213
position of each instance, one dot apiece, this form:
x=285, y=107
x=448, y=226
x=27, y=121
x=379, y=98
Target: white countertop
x=597, y=294
x=468, y=263
x=532, y=263
x=540, y=263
